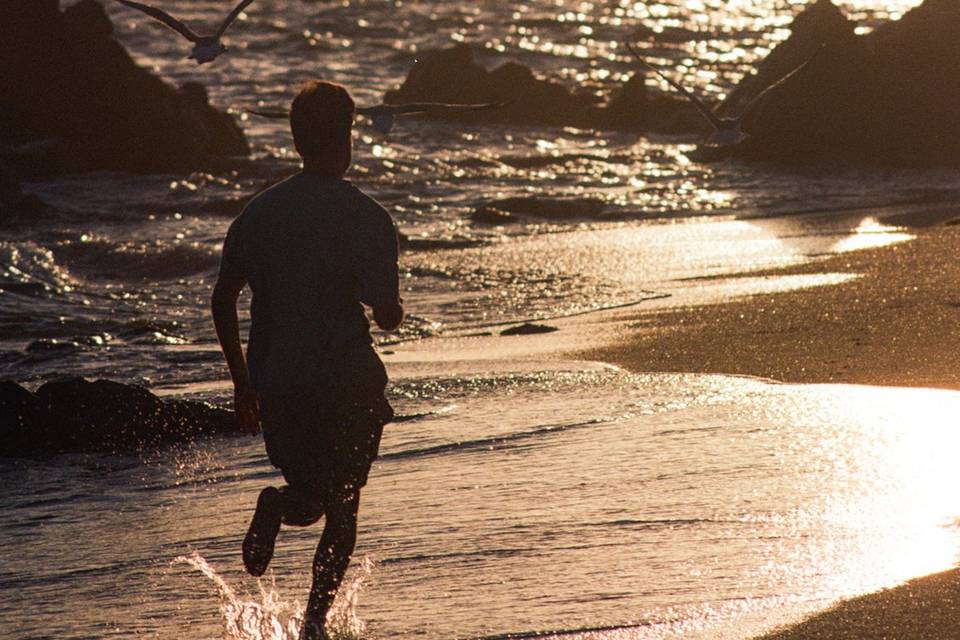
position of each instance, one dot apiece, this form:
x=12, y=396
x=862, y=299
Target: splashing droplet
x=266, y=616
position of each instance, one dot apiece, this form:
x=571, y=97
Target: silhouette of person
x=314, y=249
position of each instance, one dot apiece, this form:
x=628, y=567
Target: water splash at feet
x=266, y=616
x=342, y=620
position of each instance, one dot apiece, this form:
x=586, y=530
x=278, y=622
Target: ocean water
x=526, y=493
x=573, y=498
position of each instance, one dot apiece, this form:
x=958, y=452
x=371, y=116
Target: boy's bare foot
x=260, y=538
x=313, y=629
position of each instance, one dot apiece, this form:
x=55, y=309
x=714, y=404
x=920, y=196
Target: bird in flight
x=383, y=115
x=726, y=131
x=205, y=48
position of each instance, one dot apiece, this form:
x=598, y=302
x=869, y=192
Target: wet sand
x=923, y=609
x=897, y=323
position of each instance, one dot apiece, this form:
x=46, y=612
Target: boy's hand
x=389, y=316
x=247, y=406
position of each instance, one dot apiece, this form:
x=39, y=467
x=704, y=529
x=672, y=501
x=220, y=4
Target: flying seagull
x=726, y=131
x=205, y=48
x=383, y=115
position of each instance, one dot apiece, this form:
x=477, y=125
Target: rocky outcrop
x=78, y=415
x=66, y=79
x=918, y=83
x=508, y=209
x=886, y=98
x=14, y=204
x=452, y=75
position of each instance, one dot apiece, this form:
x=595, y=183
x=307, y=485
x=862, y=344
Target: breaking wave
x=31, y=269
x=157, y=259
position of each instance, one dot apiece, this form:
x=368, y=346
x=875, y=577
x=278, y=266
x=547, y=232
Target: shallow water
x=529, y=496
x=566, y=499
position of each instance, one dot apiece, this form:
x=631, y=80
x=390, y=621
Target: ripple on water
x=664, y=499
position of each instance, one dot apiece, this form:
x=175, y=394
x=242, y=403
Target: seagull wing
x=383, y=115
x=753, y=104
x=275, y=114
x=442, y=107
x=165, y=18
x=237, y=10
x=383, y=121
x=697, y=102
x=370, y=112
x=380, y=115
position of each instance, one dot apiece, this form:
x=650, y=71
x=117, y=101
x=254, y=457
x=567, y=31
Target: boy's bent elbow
x=223, y=303
x=225, y=293
x=218, y=301
x=389, y=316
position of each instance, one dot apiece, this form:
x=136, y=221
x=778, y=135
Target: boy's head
x=321, y=118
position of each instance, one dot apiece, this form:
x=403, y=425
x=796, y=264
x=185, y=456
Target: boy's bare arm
x=223, y=304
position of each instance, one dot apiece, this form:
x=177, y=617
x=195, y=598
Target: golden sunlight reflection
x=895, y=475
x=871, y=233
x=697, y=261
x=716, y=41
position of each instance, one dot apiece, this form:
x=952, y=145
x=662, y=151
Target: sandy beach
x=922, y=609
x=895, y=324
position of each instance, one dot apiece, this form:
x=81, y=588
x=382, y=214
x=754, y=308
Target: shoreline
x=924, y=608
x=896, y=322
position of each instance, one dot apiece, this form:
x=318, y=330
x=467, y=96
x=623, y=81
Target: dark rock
x=821, y=23
x=629, y=107
x=452, y=75
x=78, y=415
x=87, y=20
x=827, y=109
x=549, y=208
x=230, y=207
x=665, y=113
x=53, y=345
x=423, y=243
x=447, y=75
x=918, y=62
x=886, y=98
x=21, y=414
x=486, y=214
x=528, y=328
x=10, y=193
x=32, y=289
x=66, y=78
x=632, y=108
x=14, y=204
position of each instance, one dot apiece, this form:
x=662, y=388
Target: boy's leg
x=298, y=510
x=331, y=560
x=274, y=506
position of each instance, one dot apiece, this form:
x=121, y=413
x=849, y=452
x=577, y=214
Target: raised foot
x=262, y=534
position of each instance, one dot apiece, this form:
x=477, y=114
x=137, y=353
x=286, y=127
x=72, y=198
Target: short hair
x=321, y=116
